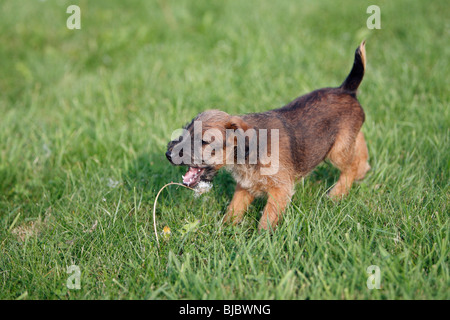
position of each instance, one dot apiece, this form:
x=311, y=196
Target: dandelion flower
x=166, y=233
x=202, y=187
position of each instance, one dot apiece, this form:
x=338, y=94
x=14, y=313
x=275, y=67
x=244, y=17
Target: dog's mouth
x=193, y=176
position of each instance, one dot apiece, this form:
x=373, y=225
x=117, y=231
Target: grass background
x=86, y=116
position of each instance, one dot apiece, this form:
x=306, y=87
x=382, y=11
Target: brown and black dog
x=324, y=124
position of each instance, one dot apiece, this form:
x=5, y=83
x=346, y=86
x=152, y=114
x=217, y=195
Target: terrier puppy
x=324, y=124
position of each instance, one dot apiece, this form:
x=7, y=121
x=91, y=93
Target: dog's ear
x=242, y=128
x=235, y=123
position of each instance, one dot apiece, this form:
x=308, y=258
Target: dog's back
x=313, y=121
x=316, y=120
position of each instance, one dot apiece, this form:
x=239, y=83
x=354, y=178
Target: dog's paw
x=337, y=193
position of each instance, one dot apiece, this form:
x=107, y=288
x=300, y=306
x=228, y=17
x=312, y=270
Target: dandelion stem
x=156, y=200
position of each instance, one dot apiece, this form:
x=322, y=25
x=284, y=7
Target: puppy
x=266, y=152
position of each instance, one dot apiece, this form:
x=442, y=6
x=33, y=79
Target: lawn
x=86, y=116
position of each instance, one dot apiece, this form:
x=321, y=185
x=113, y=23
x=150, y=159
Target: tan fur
x=362, y=49
x=350, y=157
x=239, y=205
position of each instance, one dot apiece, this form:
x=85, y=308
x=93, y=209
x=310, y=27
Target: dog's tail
x=357, y=73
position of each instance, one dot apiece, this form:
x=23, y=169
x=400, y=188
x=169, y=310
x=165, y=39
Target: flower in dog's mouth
x=202, y=187
x=193, y=176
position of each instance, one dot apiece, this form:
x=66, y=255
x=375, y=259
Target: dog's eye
x=204, y=142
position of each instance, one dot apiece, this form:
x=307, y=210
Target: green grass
x=86, y=116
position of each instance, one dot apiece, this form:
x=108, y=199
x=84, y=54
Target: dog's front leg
x=278, y=199
x=239, y=204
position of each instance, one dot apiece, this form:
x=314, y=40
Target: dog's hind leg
x=363, y=154
x=238, y=205
x=349, y=155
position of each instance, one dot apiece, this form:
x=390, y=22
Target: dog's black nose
x=169, y=155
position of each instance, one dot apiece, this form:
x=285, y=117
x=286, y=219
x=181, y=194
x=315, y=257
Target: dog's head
x=203, y=145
